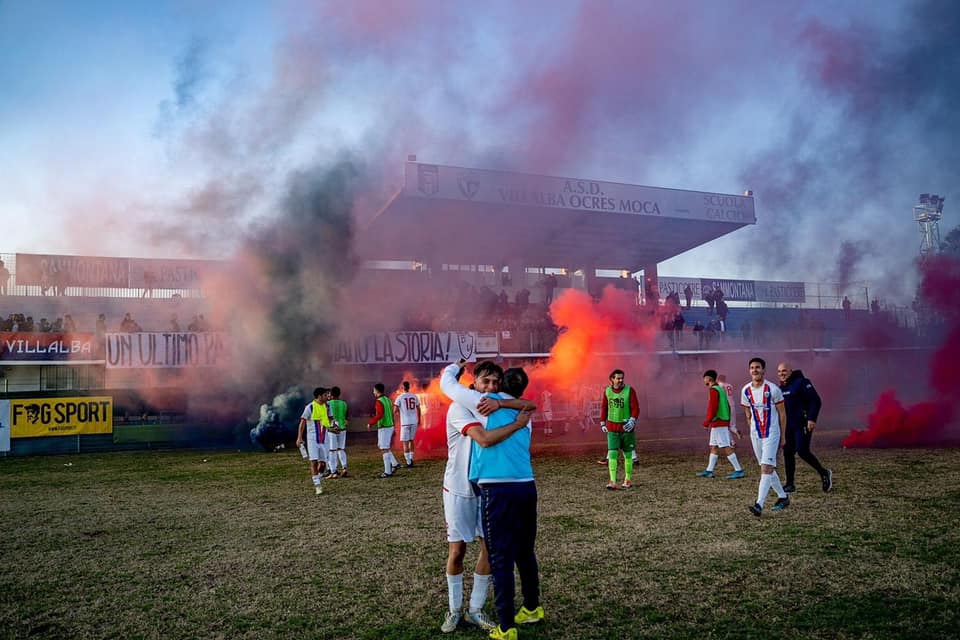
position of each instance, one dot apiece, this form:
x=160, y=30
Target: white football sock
x=386, y=464
x=775, y=483
x=342, y=453
x=765, y=482
x=455, y=591
x=736, y=463
x=316, y=481
x=481, y=586
x=713, y=462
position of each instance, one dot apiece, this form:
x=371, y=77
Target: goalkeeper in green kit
x=619, y=409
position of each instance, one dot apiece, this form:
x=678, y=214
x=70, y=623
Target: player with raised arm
x=461, y=505
x=502, y=470
x=408, y=410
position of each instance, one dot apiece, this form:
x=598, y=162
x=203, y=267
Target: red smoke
x=928, y=422
x=893, y=425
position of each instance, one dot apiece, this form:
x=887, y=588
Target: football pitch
x=211, y=544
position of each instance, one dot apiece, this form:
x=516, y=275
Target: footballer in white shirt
x=762, y=403
x=408, y=408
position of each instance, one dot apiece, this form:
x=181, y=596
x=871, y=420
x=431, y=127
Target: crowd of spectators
x=21, y=323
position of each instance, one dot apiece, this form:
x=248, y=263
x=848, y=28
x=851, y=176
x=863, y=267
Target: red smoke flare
x=893, y=425
x=925, y=423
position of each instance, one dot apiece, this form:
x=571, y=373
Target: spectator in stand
x=874, y=307
x=61, y=280
x=149, y=282
x=194, y=324
x=57, y=326
x=688, y=294
x=523, y=300
x=202, y=324
x=44, y=326
x=129, y=325
x=549, y=285
x=503, y=302
x=4, y=278
x=698, y=331
x=710, y=300
x=678, y=323
x=713, y=330
x=722, y=310
x=847, y=305
x=101, y=327
x=174, y=323
x=69, y=326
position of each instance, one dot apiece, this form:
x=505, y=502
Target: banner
x=47, y=270
x=434, y=181
x=170, y=274
x=733, y=290
x=780, y=291
x=4, y=425
x=408, y=347
x=159, y=350
x=669, y=284
x=34, y=417
x=48, y=347
x=488, y=343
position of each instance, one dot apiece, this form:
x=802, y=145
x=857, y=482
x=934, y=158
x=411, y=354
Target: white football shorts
x=462, y=515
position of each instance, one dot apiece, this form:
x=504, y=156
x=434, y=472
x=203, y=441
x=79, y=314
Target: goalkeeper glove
x=630, y=424
x=603, y=426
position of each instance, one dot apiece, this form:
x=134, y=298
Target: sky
x=181, y=129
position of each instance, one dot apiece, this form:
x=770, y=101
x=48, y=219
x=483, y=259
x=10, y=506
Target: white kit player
x=408, y=408
x=313, y=430
x=762, y=403
x=461, y=504
x=546, y=408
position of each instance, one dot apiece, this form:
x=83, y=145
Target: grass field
x=192, y=544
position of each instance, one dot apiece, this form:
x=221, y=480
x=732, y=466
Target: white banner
x=4, y=425
x=521, y=189
x=162, y=350
x=669, y=284
x=170, y=274
x=408, y=347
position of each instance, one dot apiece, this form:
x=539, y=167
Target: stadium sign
x=407, y=347
x=36, y=348
x=169, y=274
x=37, y=417
x=735, y=290
x=155, y=350
x=48, y=270
x=430, y=181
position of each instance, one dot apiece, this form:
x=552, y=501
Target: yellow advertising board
x=35, y=417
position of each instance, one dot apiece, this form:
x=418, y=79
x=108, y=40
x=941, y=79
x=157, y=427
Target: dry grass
x=234, y=545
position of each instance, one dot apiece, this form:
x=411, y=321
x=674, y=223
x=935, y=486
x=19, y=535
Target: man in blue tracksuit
x=802, y=404
x=508, y=503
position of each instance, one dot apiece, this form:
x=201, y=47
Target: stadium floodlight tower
x=927, y=213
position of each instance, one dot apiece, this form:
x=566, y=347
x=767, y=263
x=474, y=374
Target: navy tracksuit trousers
x=509, y=511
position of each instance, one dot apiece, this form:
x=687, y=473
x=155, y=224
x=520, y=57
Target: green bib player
x=619, y=409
